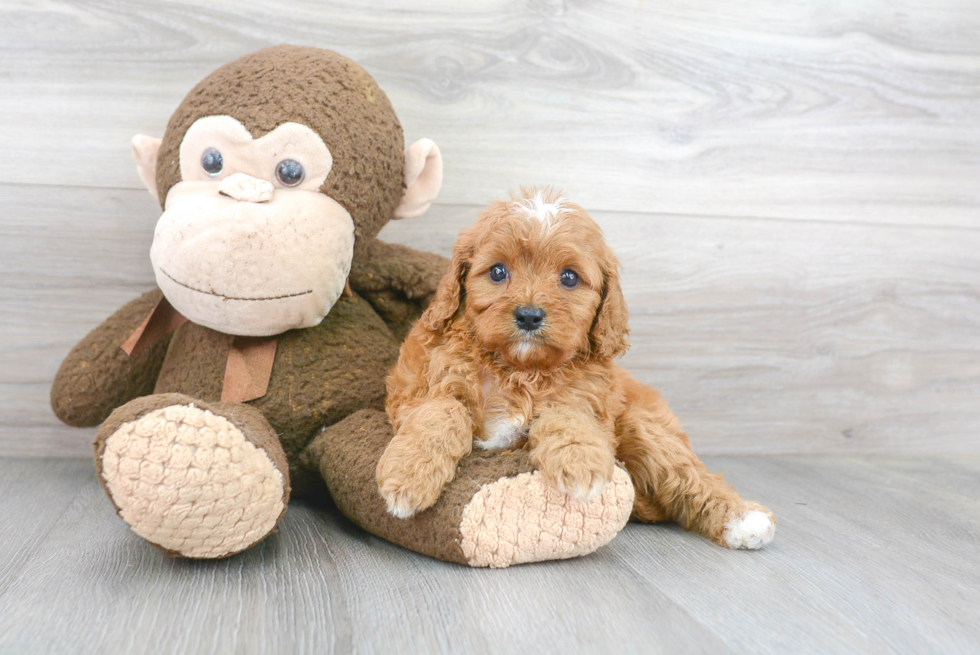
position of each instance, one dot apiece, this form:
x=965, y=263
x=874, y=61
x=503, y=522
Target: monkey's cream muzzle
x=245, y=188
x=276, y=260
x=239, y=250
x=248, y=244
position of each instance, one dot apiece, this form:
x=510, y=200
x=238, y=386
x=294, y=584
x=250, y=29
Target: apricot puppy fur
x=518, y=344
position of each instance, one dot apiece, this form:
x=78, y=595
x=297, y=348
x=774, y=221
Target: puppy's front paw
x=752, y=530
x=579, y=470
x=402, y=502
x=409, y=485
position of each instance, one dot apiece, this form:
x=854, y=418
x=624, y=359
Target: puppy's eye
x=290, y=172
x=212, y=162
x=498, y=273
x=568, y=278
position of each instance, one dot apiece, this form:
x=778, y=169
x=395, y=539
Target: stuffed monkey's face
x=247, y=244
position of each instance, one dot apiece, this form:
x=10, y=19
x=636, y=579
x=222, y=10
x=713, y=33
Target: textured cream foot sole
x=524, y=519
x=189, y=481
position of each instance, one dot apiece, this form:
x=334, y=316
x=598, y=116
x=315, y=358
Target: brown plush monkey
x=256, y=370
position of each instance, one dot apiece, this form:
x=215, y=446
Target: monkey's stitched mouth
x=221, y=295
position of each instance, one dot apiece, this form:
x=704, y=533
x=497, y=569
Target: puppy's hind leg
x=672, y=484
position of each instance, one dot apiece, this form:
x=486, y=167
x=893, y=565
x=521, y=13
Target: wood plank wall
x=793, y=187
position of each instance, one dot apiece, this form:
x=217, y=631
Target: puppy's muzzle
x=529, y=317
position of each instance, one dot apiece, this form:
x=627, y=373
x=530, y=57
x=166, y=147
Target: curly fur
x=467, y=369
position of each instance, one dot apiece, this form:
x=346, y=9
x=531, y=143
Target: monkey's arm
x=398, y=281
x=97, y=376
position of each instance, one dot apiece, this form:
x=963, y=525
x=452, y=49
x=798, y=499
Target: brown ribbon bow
x=250, y=359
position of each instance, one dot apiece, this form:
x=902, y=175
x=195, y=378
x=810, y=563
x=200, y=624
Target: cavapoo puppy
x=517, y=347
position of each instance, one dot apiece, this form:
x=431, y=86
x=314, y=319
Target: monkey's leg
x=497, y=511
x=672, y=484
x=195, y=479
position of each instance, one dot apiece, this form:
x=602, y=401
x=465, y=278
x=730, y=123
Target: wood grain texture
x=792, y=187
x=871, y=556
x=789, y=336
x=855, y=111
x=766, y=336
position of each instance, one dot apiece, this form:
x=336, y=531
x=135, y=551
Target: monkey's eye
x=212, y=162
x=498, y=273
x=290, y=172
x=568, y=278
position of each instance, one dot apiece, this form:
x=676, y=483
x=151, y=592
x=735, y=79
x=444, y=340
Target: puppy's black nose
x=529, y=318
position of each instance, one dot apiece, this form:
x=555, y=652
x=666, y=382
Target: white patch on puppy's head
x=546, y=210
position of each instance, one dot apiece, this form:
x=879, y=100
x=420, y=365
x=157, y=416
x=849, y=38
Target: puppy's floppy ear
x=610, y=330
x=449, y=294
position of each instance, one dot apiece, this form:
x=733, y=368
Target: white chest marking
x=500, y=431
x=500, y=427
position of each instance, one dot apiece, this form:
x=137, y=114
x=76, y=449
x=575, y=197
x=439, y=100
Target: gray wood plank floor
x=872, y=555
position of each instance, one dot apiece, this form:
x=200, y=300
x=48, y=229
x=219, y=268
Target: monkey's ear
x=423, y=178
x=145, y=149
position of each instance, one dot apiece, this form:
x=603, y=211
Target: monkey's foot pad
x=524, y=519
x=188, y=481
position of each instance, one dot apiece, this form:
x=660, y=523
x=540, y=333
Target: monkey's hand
x=398, y=281
x=97, y=376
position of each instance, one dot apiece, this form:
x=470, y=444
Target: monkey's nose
x=529, y=317
x=245, y=188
